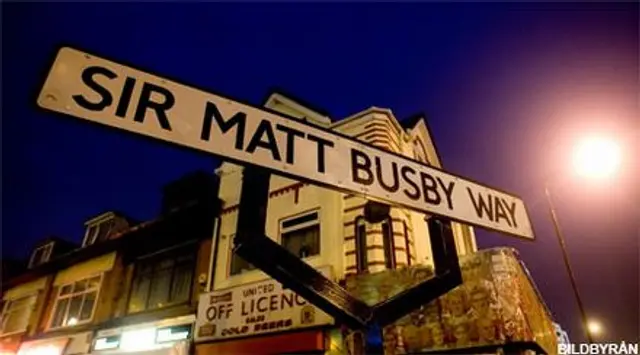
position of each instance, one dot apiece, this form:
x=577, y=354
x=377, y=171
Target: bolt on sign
x=91, y=88
x=252, y=309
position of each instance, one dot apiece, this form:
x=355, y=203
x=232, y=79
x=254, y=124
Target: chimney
x=195, y=187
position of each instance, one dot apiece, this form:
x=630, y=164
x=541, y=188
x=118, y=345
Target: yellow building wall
x=338, y=211
x=105, y=265
x=86, y=269
x=282, y=204
x=25, y=289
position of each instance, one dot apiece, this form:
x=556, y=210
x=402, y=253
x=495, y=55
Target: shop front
x=166, y=337
x=259, y=318
x=73, y=344
x=10, y=345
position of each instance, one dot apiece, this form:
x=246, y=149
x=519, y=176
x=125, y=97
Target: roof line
x=277, y=90
x=413, y=120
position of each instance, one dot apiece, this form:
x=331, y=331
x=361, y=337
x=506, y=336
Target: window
x=98, y=232
x=238, y=264
x=361, y=244
x=16, y=314
x=406, y=239
x=75, y=302
x=41, y=255
x=439, y=228
x=388, y=244
x=301, y=235
x=92, y=233
x=162, y=282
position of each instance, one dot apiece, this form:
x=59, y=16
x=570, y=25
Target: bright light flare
x=597, y=157
x=138, y=339
x=594, y=327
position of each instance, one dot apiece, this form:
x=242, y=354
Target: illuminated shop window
x=76, y=302
x=173, y=333
x=107, y=343
x=143, y=339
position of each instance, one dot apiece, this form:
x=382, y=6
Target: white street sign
x=95, y=89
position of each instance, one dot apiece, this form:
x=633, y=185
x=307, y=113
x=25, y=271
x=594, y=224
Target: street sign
x=82, y=85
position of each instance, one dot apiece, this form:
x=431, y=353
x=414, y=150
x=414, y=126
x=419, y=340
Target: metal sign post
x=253, y=245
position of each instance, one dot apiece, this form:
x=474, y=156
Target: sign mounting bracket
x=252, y=244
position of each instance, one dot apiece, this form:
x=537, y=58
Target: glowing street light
x=597, y=157
x=594, y=327
x=594, y=158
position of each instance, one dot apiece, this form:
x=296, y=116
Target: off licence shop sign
x=257, y=308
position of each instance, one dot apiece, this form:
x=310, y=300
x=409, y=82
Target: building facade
x=174, y=286
x=130, y=287
x=325, y=228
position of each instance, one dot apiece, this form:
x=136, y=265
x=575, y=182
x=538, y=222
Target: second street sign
x=82, y=85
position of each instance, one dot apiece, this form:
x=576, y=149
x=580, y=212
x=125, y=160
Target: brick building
x=247, y=312
x=129, y=287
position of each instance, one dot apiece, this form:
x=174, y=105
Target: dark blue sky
x=508, y=88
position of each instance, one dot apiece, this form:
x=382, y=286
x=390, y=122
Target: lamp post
x=565, y=257
x=595, y=158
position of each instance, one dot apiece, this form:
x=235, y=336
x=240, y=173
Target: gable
x=294, y=107
x=422, y=141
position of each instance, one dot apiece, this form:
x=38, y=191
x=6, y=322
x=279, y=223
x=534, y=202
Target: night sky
x=508, y=88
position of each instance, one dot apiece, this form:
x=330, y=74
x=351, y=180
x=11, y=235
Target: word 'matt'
x=98, y=90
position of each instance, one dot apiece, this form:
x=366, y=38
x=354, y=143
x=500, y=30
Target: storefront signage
x=144, y=338
x=138, y=339
x=107, y=343
x=252, y=309
x=49, y=347
x=174, y=333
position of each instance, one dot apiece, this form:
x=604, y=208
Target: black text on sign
x=105, y=92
